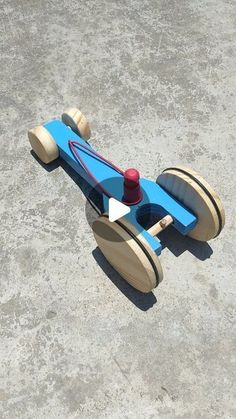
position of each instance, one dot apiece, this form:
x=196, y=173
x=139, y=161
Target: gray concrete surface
x=157, y=80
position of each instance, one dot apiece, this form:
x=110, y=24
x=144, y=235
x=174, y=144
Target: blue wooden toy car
x=179, y=197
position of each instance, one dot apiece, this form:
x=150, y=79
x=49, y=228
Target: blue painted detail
x=62, y=134
x=155, y=199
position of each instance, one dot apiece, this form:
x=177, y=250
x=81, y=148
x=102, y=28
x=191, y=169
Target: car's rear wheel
x=128, y=252
x=192, y=190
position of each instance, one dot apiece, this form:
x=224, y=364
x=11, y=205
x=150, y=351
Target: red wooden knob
x=132, y=190
x=131, y=175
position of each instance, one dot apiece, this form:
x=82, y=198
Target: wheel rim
x=195, y=193
x=128, y=253
x=43, y=144
x=214, y=203
x=77, y=121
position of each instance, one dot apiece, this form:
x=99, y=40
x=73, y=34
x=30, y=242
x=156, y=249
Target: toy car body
x=179, y=197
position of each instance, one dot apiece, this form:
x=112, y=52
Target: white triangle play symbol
x=116, y=209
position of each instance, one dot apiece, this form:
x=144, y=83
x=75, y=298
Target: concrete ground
x=157, y=81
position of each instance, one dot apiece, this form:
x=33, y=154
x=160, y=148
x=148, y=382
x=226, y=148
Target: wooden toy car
x=179, y=197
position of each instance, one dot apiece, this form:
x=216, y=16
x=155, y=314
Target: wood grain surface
x=43, y=144
x=133, y=258
x=76, y=120
x=193, y=191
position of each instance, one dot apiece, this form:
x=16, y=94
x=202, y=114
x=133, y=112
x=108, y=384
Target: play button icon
x=116, y=209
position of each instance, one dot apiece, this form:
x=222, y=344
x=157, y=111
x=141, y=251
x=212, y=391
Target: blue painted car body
x=155, y=199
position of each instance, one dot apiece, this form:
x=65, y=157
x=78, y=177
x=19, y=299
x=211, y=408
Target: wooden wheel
x=43, y=144
x=128, y=252
x=74, y=119
x=196, y=194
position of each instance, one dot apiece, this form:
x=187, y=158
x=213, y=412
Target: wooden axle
x=161, y=225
